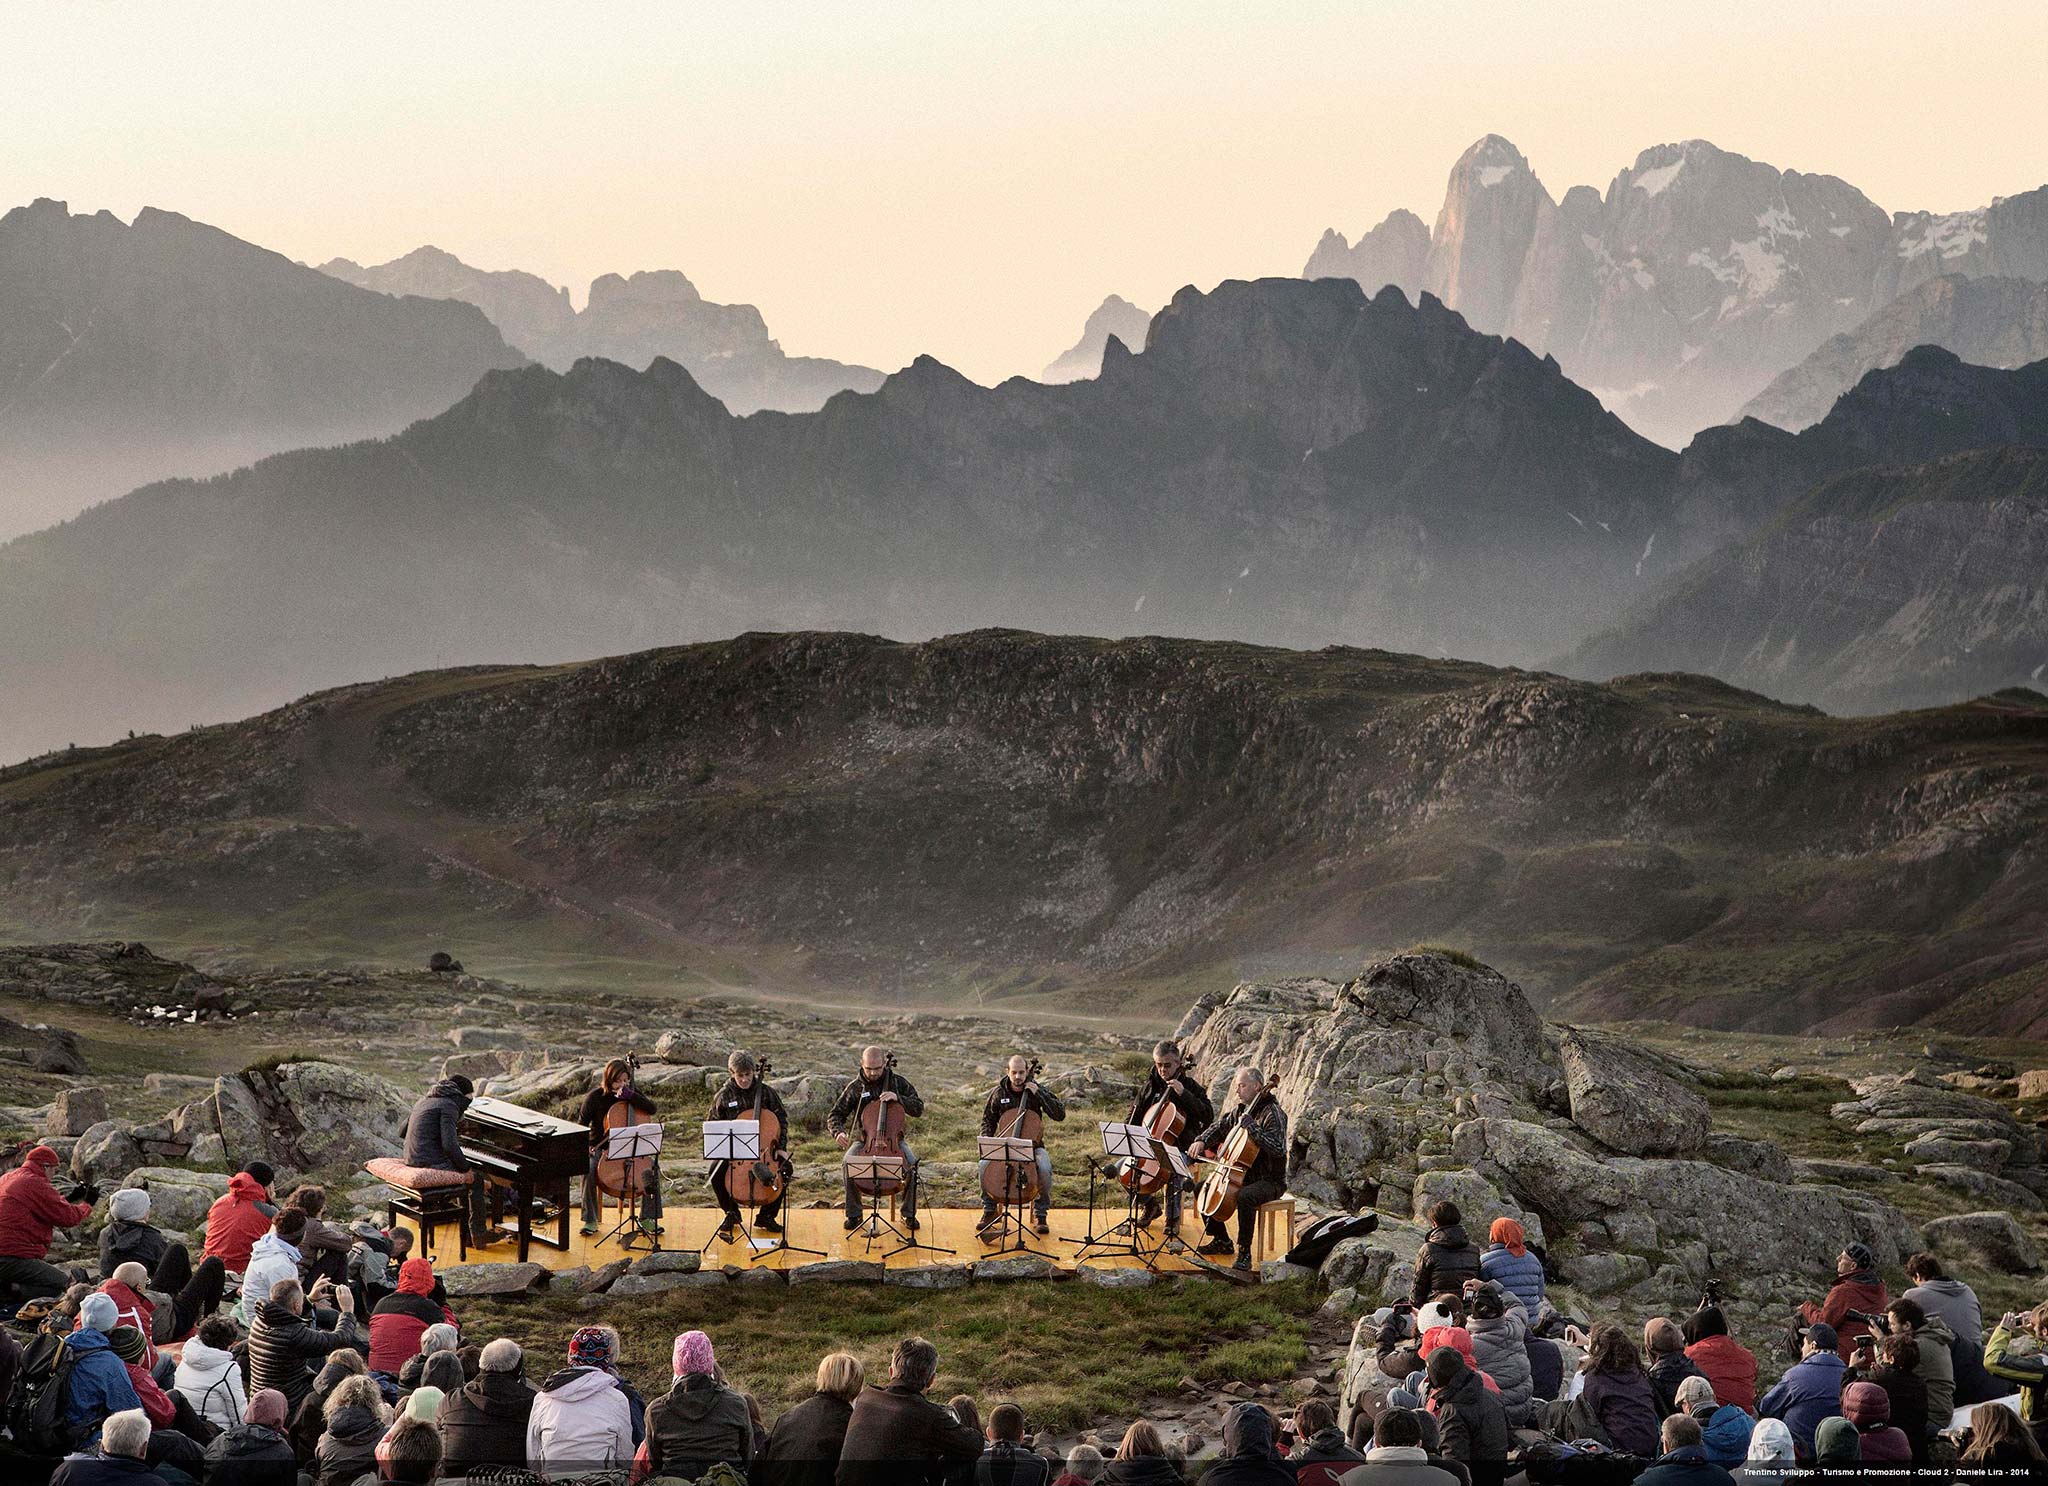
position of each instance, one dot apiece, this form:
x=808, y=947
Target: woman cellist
x=615, y=1087
x=737, y=1101
x=1257, y=1112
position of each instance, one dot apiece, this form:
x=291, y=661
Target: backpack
x=1324, y=1234
x=38, y=1412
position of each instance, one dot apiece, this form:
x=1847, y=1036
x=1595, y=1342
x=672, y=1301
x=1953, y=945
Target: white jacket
x=270, y=1259
x=212, y=1383
x=581, y=1423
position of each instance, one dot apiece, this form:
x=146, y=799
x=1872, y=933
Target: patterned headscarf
x=1510, y=1234
x=692, y=1355
x=593, y=1346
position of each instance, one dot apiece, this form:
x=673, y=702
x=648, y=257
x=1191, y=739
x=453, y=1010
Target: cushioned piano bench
x=429, y=1196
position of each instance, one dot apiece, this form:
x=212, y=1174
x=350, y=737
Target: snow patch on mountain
x=1951, y=236
x=1653, y=182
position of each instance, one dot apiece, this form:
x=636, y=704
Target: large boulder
x=178, y=1199
x=1992, y=1237
x=75, y=1111
x=299, y=1116
x=1623, y=1100
x=104, y=1152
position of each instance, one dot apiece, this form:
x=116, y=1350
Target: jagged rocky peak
x=649, y=286
x=1116, y=317
x=1493, y=209
x=1395, y=252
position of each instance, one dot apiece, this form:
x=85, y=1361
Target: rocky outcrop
x=1115, y=316
x=300, y=1117
x=1992, y=1238
x=1395, y=252
x=1422, y=1059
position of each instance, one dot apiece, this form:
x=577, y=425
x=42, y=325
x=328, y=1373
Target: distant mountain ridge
x=1286, y=460
x=1115, y=316
x=134, y=351
x=1996, y=322
x=1698, y=277
x=726, y=347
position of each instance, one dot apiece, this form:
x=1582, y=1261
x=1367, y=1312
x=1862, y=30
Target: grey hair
x=915, y=1363
x=739, y=1060
x=439, y=1337
x=125, y=1432
x=502, y=1355
x=1084, y=1461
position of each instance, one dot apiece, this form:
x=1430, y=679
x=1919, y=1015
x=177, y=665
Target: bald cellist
x=735, y=1101
x=877, y=1083
x=1016, y=1089
x=1171, y=1079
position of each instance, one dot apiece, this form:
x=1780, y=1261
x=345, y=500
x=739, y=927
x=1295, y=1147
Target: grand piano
x=530, y=1157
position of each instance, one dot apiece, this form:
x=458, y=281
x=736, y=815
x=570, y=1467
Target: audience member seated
x=412, y=1455
x=699, y=1422
x=1837, y=1448
x=1933, y=1366
x=1499, y=1329
x=254, y=1452
x=1446, y=1259
x=1950, y=1299
x=31, y=1210
x=1727, y=1364
x=1249, y=1456
x=803, y=1447
x=1664, y=1352
x=1724, y=1429
x=325, y=1246
x=895, y=1430
x=309, y=1414
x=1084, y=1466
x=240, y=1216
x=356, y=1418
x=99, y=1384
x=1889, y=1364
x=1683, y=1461
x=1320, y=1455
x=2025, y=1366
x=1866, y=1406
x=1811, y=1389
x=1773, y=1454
x=402, y=1318
x=209, y=1375
x=1856, y=1287
x=119, y=1458
x=2000, y=1438
x=483, y=1423
x=1006, y=1462
x=286, y=1348
x=1398, y=1456
x=1617, y=1397
x=1471, y=1422
x=129, y=1235
x=1141, y=1459
x=581, y=1420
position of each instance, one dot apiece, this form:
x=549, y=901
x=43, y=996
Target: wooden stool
x=432, y=1199
x=1275, y=1220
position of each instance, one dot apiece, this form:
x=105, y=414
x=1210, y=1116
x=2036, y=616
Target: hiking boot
x=728, y=1230
x=910, y=1223
x=651, y=1227
x=1149, y=1209
x=590, y=1230
x=1216, y=1246
x=851, y=1223
x=767, y=1225
x=1243, y=1263
x=1040, y=1226
x=987, y=1229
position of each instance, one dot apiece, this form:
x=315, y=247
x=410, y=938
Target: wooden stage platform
x=947, y=1227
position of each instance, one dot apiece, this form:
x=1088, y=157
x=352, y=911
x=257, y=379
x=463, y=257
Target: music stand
x=1015, y=1157
x=1132, y=1144
x=631, y=1143
x=740, y=1140
x=860, y=1166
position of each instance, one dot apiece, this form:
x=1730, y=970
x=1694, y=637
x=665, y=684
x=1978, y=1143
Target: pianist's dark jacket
x=430, y=1135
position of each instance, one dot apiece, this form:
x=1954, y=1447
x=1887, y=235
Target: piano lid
x=505, y=1115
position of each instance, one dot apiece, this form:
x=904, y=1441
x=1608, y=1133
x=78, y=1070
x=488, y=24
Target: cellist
x=1166, y=1081
x=736, y=1102
x=877, y=1083
x=615, y=1086
x=1255, y=1109
x=1018, y=1088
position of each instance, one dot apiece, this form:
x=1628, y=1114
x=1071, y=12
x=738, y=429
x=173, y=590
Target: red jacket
x=234, y=1223
x=1730, y=1367
x=1849, y=1293
x=31, y=1210
x=135, y=1310
x=155, y=1402
x=401, y=1318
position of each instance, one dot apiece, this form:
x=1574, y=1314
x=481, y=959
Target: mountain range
x=1286, y=461
x=1115, y=316
x=1698, y=277
x=133, y=351
x=1110, y=822
x=726, y=347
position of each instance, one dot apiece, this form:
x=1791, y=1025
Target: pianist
x=431, y=1141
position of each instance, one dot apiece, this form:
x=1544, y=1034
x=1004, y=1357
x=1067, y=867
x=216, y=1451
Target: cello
x=758, y=1182
x=882, y=1123
x=1014, y=1183
x=1218, y=1198
x=617, y=1177
x=1166, y=1122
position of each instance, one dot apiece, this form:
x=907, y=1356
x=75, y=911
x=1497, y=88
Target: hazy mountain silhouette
x=1115, y=316
x=133, y=351
x=1286, y=461
x=1696, y=279
x=726, y=347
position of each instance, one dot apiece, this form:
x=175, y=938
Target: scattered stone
x=1939, y=1150
x=471, y=1039
x=656, y=1284
x=1993, y=1236
x=2033, y=1084
x=669, y=1261
x=1358, y=1263
x=840, y=1272
x=931, y=1277
x=681, y=1047
x=175, y=1085
x=1115, y=1277
x=1021, y=1267
x=60, y=1053
x=1983, y=1185
x=104, y=1152
x=440, y=962
x=1279, y=1272
x=1623, y=1100
x=603, y=1277
x=75, y=1111
x=495, y=1279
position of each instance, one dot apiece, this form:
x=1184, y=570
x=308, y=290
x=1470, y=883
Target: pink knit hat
x=693, y=1355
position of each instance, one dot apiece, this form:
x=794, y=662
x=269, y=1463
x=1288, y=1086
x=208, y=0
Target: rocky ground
x=1647, y=1166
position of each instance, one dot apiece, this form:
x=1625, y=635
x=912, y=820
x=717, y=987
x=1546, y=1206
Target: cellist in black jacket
x=1170, y=1079
x=736, y=1102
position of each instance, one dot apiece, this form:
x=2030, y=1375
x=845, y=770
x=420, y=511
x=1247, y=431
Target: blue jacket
x=1726, y=1435
x=1522, y=1276
x=1686, y=1466
x=1810, y=1391
x=99, y=1384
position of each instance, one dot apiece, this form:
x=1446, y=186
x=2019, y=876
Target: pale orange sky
x=965, y=179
